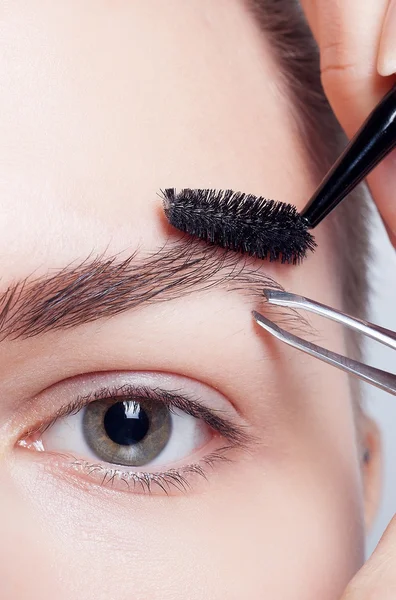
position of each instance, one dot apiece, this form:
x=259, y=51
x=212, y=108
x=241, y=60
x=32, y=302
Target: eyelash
x=176, y=478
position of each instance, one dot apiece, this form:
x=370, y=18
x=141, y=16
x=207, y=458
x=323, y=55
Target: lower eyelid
x=185, y=479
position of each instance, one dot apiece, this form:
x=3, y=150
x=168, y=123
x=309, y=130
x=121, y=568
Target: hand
x=377, y=578
x=357, y=42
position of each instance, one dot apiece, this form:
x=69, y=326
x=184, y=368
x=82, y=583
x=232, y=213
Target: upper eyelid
x=236, y=434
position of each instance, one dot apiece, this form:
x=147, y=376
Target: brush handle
x=374, y=140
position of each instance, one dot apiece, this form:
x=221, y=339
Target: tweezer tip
x=261, y=320
x=271, y=294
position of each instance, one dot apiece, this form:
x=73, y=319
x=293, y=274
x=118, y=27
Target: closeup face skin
x=103, y=104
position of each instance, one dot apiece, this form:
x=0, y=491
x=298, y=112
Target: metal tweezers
x=381, y=379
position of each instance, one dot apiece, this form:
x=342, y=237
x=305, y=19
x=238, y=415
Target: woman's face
x=259, y=493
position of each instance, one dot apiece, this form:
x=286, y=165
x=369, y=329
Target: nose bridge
x=26, y=566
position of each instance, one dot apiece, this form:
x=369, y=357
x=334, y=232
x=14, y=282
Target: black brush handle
x=374, y=140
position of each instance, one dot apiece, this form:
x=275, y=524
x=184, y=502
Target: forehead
x=104, y=103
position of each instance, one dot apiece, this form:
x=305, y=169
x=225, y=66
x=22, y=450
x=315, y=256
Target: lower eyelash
x=173, y=478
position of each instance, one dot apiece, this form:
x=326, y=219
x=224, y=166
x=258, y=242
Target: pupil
x=126, y=423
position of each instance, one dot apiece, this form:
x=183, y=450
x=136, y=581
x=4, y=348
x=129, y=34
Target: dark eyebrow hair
x=105, y=286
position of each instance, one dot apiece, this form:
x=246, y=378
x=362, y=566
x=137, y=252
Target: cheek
x=27, y=564
x=290, y=531
x=268, y=526
x=290, y=534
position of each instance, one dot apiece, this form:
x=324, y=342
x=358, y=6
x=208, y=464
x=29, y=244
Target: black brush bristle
x=241, y=222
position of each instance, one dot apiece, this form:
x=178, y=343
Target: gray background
x=381, y=405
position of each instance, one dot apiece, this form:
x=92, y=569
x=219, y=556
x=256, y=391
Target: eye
x=139, y=432
x=132, y=433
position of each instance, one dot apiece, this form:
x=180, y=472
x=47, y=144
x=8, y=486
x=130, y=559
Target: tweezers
x=381, y=379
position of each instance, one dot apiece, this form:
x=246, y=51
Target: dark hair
x=297, y=54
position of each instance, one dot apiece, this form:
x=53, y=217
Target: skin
x=102, y=104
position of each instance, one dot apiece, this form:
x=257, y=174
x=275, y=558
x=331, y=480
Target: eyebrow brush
x=276, y=230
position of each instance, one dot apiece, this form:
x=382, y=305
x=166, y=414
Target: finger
x=387, y=52
x=349, y=34
x=384, y=178
x=310, y=9
x=377, y=578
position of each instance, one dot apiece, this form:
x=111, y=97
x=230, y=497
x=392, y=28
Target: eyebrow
x=105, y=286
